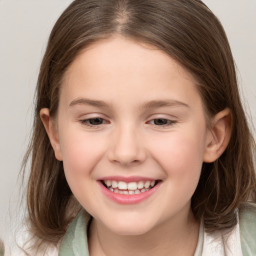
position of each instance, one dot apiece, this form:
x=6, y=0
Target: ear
x=52, y=131
x=218, y=136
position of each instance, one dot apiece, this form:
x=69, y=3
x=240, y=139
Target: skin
x=129, y=141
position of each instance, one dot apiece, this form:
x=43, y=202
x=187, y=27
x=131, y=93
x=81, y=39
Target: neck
x=174, y=237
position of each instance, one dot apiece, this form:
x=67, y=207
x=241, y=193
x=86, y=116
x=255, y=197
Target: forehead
x=113, y=68
x=125, y=53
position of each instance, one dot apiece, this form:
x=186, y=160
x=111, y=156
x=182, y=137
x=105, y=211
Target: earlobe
x=218, y=135
x=52, y=131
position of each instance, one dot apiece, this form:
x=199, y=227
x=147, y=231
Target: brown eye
x=161, y=122
x=93, y=121
x=96, y=121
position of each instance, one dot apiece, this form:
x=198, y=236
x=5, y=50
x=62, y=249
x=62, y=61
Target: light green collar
x=75, y=241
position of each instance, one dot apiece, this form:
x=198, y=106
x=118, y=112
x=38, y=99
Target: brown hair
x=190, y=33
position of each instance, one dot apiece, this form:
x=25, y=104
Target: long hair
x=190, y=33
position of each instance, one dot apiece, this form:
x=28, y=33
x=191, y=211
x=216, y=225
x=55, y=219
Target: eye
x=162, y=122
x=92, y=122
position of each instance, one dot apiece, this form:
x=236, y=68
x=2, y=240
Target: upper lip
x=128, y=179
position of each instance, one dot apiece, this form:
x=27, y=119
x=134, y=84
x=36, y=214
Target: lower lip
x=128, y=199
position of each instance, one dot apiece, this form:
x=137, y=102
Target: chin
x=128, y=228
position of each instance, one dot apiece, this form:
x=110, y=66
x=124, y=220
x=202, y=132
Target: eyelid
x=170, y=122
x=85, y=122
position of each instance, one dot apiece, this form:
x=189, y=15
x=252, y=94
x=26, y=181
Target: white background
x=24, y=29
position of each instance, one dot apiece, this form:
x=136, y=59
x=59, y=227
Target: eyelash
x=86, y=122
x=167, y=124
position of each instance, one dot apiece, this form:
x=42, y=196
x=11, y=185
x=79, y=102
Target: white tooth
x=147, y=189
x=147, y=184
x=108, y=183
x=140, y=185
x=125, y=192
x=114, y=184
x=137, y=192
x=143, y=190
x=116, y=190
x=131, y=192
x=152, y=184
x=132, y=186
x=111, y=189
x=121, y=192
x=122, y=185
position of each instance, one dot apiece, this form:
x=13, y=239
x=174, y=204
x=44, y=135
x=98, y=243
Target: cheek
x=80, y=151
x=180, y=154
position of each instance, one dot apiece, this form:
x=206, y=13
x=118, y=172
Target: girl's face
x=131, y=117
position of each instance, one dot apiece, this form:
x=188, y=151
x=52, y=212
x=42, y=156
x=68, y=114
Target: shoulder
x=247, y=218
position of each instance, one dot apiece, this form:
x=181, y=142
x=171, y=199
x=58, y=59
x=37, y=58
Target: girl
x=140, y=143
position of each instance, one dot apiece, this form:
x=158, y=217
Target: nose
x=126, y=147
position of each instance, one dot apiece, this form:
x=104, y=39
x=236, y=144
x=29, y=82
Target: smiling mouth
x=129, y=188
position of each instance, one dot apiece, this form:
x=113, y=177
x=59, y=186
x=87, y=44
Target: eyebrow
x=148, y=105
x=85, y=101
x=164, y=103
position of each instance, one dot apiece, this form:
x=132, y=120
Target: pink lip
x=128, y=199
